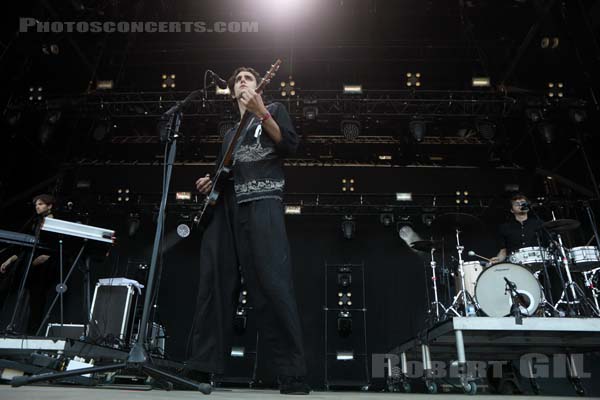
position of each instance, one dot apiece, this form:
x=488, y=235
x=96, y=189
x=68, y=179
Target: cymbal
x=426, y=245
x=450, y=222
x=562, y=225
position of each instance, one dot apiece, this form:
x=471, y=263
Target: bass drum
x=493, y=296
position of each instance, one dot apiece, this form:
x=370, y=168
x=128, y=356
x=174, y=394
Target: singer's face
x=41, y=207
x=516, y=207
x=244, y=80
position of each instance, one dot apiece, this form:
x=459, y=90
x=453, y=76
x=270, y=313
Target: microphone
x=473, y=254
x=525, y=206
x=220, y=82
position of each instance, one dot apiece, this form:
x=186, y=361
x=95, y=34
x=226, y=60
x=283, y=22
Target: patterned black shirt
x=258, y=161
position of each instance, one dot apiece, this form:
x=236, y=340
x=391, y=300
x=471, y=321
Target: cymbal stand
x=436, y=303
x=589, y=282
x=463, y=294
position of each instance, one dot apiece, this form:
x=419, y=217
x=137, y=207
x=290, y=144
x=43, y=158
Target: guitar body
x=203, y=218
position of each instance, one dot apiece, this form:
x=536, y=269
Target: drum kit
x=520, y=285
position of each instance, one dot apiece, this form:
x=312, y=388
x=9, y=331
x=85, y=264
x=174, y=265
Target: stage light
x=310, y=113
x=184, y=230
x=577, y=115
x=344, y=356
x=481, y=81
x=350, y=128
x=168, y=81
x=222, y=92
x=344, y=323
x=353, y=89
x=344, y=277
x=547, y=132
x=238, y=351
x=288, y=88
x=555, y=89
x=133, y=224
x=386, y=219
x=347, y=184
x=182, y=196
x=293, y=210
x=104, y=85
x=348, y=227
x=36, y=93
x=418, y=129
x=427, y=219
x=384, y=157
x=404, y=196
x=534, y=114
x=413, y=79
x=486, y=129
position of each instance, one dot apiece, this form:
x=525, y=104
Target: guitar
x=223, y=172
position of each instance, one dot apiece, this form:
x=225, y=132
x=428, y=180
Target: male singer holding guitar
x=248, y=231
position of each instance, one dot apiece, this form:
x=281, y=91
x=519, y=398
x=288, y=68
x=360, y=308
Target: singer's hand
x=253, y=102
x=204, y=184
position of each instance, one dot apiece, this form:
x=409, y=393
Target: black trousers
x=250, y=238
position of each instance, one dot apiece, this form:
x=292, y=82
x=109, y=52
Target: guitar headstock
x=269, y=75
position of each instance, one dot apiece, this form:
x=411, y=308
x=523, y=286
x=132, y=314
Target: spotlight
x=293, y=210
x=534, y=114
x=427, y=219
x=36, y=93
x=386, y=219
x=350, y=128
x=238, y=351
x=555, y=89
x=481, y=81
x=183, y=196
x=168, y=81
x=133, y=224
x=348, y=227
x=486, y=129
x=288, y=88
x=418, y=129
x=344, y=323
x=344, y=277
x=12, y=117
x=403, y=196
x=101, y=130
x=344, y=355
x=222, y=91
x=413, y=79
x=183, y=230
x=104, y=85
x=353, y=89
x=547, y=132
x=577, y=115
x=347, y=184
x=310, y=113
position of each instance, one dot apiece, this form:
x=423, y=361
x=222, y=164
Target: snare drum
x=531, y=257
x=584, y=258
x=472, y=271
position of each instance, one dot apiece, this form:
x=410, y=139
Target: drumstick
x=473, y=254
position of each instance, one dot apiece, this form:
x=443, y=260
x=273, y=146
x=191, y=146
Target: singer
x=248, y=233
x=519, y=231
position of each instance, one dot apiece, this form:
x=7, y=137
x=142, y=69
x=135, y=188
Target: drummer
x=520, y=231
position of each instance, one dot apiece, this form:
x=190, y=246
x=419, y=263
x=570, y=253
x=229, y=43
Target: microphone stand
x=514, y=297
x=138, y=358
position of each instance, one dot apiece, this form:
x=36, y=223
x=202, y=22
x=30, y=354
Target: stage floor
x=72, y=393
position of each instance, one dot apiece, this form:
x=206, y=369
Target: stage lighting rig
x=168, y=81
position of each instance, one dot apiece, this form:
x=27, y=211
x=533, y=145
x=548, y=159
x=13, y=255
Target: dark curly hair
x=231, y=80
x=47, y=199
